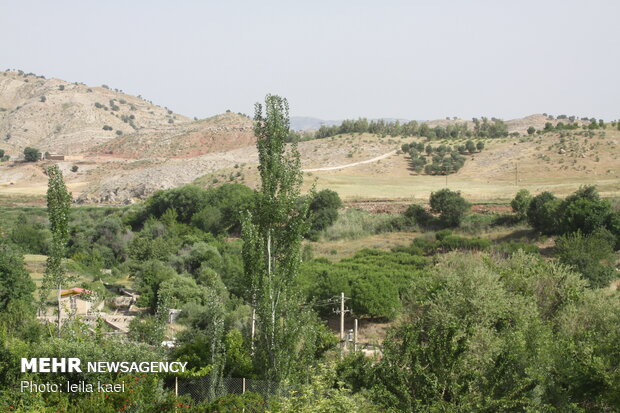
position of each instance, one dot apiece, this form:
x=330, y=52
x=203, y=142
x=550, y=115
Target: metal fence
x=204, y=388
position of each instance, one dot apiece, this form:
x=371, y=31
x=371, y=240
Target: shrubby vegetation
x=373, y=279
x=492, y=335
x=476, y=323
x=495, y=128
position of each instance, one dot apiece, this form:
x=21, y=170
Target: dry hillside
x=217, y=134
x=145, y=147
x=61, y=117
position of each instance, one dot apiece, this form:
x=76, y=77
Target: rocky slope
x=69, y=118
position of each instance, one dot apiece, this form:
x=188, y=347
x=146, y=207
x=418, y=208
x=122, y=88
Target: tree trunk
x=59, y=307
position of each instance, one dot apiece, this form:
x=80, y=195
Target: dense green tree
x=185, y=200
x=531, y=130
x=323, y=210
x=32, y=154
x=231, y=200
x=272, y=235
x=479, y=146
x=613, y=225
x=15, y=282
x=583, y=210
x=58, y=205
x=450, y=206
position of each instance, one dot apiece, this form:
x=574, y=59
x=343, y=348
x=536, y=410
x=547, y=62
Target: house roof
x=74, y=291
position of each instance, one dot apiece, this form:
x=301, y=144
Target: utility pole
x=342, y=318
x=342, y=311
x=516, y=174
x=355, y=336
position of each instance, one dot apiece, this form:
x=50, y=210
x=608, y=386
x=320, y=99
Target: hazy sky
x=331, y=59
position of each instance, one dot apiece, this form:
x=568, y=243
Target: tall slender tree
x=58, y=205
x=272, y=233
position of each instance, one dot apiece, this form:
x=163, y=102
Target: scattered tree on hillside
x=470, y=146
x=531, y=130
x=32, y=154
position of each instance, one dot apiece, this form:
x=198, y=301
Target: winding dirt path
x=332, y=168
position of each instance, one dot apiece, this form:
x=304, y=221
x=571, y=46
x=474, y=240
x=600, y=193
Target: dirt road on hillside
x=333, y=168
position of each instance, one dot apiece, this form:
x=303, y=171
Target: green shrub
x=454, y=242
x=542, y=213
x=592, y=255
x=356, y=223
x=521, y=203
x=416, y=214
x=450, y=206
x=512, y=247
x=247, y=402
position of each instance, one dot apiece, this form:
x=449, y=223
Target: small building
x=76, y=301
x=54, y=157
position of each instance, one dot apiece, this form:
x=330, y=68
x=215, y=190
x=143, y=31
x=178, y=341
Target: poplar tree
x=58, y=204
x=272, y=233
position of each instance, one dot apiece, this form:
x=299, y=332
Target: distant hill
x=302, y=123
x=57, y=116
x=120, y=149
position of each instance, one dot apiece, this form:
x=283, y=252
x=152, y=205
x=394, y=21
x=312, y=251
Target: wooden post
x=243, y=385
x=355, y=336
x=516, y=174
x=176, y=386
